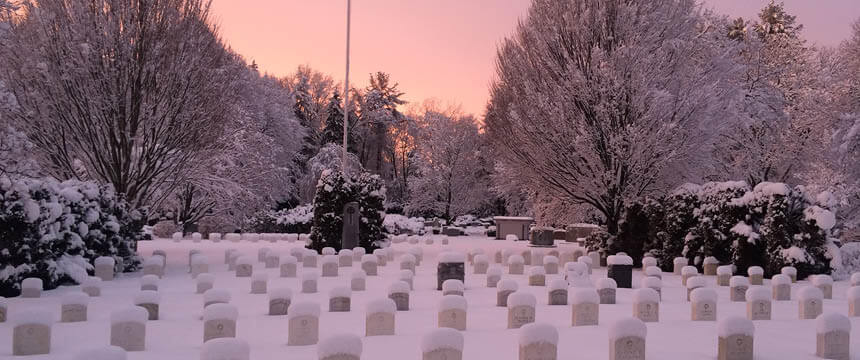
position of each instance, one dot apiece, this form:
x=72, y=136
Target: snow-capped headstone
x=219, y=321
x=340, y=347
x=399, y=293
x=833, y=336
x=538, y=341
x=557, y=294
x=407, y=277
x=196, y=237
x=627, y=339
x=620, y=269
x=810, y=302
x=541, y=236
x=521, y=309
x=735, y=339
x=758, y=303
x=279, y=301
x=309, y=259
x=679, y=263
x=233, y=237
x=226, y=349
x=104, y=267
x=379, y=320
x=855, y=279
x=407, y=262
x=328, y=250
x=585, y=305
x=149, y=282
x=148, y=300
x=853, y=298
x=329, y=266
x=303, y=323
x=154, y=265
x=738, y=286
x=31, y=332
x=259, y=283
x=550, y=265
x=654, y=271
x=418, y=253
x=215, y=296
x=349, y=234
x=339, y=299
x=606, y=288
x=199, y=265
x=724, y=275
x=688, y=272
x=527, y=257
x=344, y=258
x=244, y=266
x=381, y=257
x=309, y=281
x=595, y=259
x=205, y=282
x=370, y=265
x=694, y=283
x=452, y=312
x=273, y=260
x=791, y=272
x=215, y=237
x=128, y=328
x=92, y=286
x=494, y=275
x=703, y=304
x=289, y=263
x=646, y=305
x=453, y=287
x=358, y=280
x=442, y=344
x=480, y=264
x=825, y=284
x=710, y=266
x=516, y=265
x=756, y=274
x=74, y=307
x=781, y=285
x=452, y=265
x=298, y=253
x=504, y=289
x=31, y=288
x=537, y=276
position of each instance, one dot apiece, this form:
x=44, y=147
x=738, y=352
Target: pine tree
x=333, y=130
x=334, y=191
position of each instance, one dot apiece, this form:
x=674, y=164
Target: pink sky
x=442, y=49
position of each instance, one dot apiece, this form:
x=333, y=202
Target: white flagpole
x=346, y=91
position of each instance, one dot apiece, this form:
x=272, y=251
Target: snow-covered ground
x=179, y=332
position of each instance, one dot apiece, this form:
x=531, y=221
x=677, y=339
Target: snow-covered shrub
x=599, y=240
x=713, y=234
x=53, y=231
x=334, y=191
x=679, y=219
x=849, y=255
x=297, y=220
x=638, y=228
x=397, y=224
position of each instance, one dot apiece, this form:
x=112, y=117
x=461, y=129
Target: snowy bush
x=397, y=224
x=678, y=221
x=297, y=220
x=713, y=235
x=53, y=231
x=849, y=255
x=334, y=191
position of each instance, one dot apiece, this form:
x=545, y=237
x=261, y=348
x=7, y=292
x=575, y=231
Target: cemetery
x=332, y=309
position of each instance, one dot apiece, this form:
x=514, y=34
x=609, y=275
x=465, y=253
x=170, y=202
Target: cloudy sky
x=442, y=49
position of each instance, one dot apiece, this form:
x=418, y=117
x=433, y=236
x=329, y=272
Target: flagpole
x=346, y=91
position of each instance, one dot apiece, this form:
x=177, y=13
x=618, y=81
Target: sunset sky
x=442, y=49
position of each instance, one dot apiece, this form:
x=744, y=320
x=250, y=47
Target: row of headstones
x=236, y=237
x=538, y=341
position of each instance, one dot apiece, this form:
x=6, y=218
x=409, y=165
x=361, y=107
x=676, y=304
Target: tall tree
x=378, y=113
x=601, y=101
x=131, y=93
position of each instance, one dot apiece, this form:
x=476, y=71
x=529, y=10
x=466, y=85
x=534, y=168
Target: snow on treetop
x=507, y=285
x=755, y=270
x=135, y=314
x=31, y=283
x=758, y=293
x=225, y=348
x=584, y=296
x=521, y=298
x=281, y=293
x=628, y=327
x=696, y=281
x=702, y=294
x=606, y=283
x=738, y=281
x=220, y=311
x=385, y=305
x=831, y=321
x=825, y=219
x=453, y=285
x=795, y=254
x=780, y=279
x=452, y=302
x=443, y=338
x=146, y=297
x=452, y=257
x=75, y=298
x=619, y=260
x=535, y=333
x=341, y=344
x=735, y=325
x=398, y=287
x=642, y=295
x=536, y=270
x=810, y=293
x=104, y=353
x=686, y=189
x=304, y=308
x=216, y=295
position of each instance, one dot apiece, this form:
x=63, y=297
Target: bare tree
x=601, y=101
x=128, y=92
